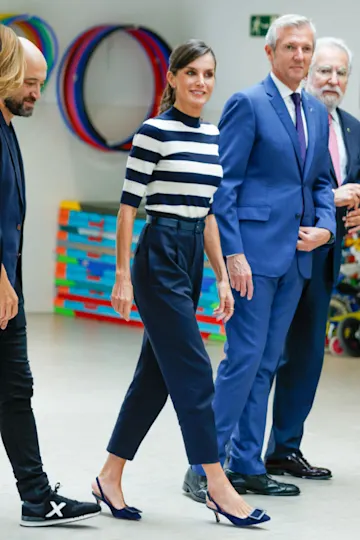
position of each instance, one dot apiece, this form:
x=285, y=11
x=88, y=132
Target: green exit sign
x=259, y=24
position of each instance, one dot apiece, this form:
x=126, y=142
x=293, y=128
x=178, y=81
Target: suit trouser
x=255, y=338
x=17, y=422
x=300, y=368
x=167, y=276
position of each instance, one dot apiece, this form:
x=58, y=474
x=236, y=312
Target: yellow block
x=70, y=205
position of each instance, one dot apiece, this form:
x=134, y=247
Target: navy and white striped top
x=174, y=162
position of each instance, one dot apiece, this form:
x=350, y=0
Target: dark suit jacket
x=351, y=133
x=12, y=207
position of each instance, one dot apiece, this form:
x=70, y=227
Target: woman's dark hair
x=180, y=57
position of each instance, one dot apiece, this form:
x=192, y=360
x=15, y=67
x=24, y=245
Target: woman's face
x=194, y=84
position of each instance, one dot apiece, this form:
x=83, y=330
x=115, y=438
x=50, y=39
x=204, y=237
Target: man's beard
x=330, y=101
x=18, y=108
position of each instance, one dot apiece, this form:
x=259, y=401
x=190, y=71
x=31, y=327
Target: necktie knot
x=296, y=98
x=330, y=119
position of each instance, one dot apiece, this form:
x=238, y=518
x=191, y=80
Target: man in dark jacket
x=41, y=506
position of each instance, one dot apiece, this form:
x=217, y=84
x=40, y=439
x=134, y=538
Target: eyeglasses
x=327, y=72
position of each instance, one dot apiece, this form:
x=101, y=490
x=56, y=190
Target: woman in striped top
x=174, y=163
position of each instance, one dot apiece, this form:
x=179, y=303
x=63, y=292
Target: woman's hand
x=122, y=296
x=226, y=308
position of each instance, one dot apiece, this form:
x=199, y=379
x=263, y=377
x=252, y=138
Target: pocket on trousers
x=140, y=265
x=140, y=246
x=163, y=256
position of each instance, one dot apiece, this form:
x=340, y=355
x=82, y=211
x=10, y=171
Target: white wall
x=60, y=167
x=57, y=165
x=241, y=58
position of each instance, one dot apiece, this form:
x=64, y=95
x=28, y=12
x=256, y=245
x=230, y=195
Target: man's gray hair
x=333, y=43
x=285, y=22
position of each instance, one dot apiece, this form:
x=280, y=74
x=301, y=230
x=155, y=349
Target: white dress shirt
x=341, y=143
x=285, y=93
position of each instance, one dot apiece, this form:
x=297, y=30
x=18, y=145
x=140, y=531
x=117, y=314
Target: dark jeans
x=17, y=422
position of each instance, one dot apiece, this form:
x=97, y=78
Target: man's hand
x=311, y=238
x=8, y=300
x=240, y=275
x=352, y=221
x=347, y=195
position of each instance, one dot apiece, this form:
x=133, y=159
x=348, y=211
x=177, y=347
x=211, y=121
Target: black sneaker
x=56, y=510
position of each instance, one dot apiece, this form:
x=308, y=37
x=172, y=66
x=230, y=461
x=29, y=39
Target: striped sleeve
x=144, y=155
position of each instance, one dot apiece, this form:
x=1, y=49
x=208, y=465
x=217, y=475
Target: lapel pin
x=348, y=130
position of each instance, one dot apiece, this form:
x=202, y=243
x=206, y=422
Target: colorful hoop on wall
x=39, y=32
x=72, y=72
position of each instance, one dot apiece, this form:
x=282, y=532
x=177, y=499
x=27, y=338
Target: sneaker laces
x=64, y=499
x=57, y=487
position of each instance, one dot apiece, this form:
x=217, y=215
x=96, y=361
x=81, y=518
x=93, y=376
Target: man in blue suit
x=301, y=365
x=41, y=506
x=275, y=206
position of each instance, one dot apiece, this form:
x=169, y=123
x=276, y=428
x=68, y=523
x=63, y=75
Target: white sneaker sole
x=53, y=522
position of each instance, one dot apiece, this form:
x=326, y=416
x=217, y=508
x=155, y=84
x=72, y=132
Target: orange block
x=63, y=290
x=62, y=235
x=60, y=271
x=64, y=216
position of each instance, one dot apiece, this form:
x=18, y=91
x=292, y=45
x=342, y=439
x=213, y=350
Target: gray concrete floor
x=82, y=370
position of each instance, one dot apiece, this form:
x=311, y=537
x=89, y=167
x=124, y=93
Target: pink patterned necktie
x=334, y=150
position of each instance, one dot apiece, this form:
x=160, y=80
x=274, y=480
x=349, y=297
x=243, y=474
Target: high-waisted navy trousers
x=167, y=275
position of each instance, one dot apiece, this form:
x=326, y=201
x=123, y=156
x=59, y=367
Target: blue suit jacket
x=351, y=133
x=266, y=193
x=12, y=206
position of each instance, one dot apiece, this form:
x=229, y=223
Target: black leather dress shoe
x=261, y=484
x=195, y=486
x=296, y=465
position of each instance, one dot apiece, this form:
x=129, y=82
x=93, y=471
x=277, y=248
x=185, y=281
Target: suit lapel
x=20, y=169
x=279, y=105
x=333, y=174
x=311, y=130
x=16, y=162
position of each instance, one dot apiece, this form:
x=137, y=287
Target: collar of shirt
x=284, y=90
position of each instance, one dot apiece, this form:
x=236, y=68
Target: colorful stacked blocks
x=85, y=267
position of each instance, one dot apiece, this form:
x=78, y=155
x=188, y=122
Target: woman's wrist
x=224, y=280
x=123, y=273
